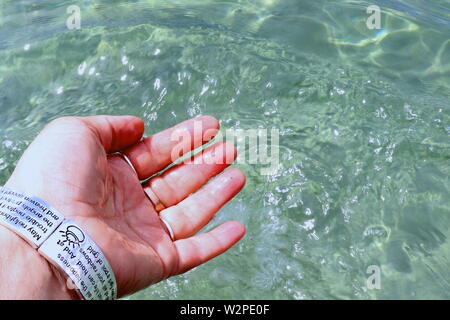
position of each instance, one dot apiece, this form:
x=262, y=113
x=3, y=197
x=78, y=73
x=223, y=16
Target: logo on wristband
x=73, y=236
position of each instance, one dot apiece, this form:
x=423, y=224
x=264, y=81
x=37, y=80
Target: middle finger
x=178, y=182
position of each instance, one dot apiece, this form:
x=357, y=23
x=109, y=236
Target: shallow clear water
x=364, y=119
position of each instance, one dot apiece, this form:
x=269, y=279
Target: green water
x=364, y=120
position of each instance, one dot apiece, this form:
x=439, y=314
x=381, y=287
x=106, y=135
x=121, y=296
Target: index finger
x=156, y=152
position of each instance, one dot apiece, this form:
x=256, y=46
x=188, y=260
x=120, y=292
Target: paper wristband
x=62, y=242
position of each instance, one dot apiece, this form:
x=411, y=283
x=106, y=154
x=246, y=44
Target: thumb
x=115, y=132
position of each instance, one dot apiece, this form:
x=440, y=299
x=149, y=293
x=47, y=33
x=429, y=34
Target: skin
x=71, y=165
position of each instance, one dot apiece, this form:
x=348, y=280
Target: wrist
x=25, y=274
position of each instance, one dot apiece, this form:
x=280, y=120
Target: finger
x=158, y=151
x=177, y=183
x=115, y=132
x=201, y=248
x=193, y=213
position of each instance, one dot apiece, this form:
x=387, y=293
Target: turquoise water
x=364, y=120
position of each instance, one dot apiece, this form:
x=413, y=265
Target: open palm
x=73, y=166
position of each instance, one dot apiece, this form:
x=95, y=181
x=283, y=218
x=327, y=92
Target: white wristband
x=62, y=242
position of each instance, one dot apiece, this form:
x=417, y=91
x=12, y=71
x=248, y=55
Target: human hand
x=71, y=165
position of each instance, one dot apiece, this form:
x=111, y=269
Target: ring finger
x=193, y=213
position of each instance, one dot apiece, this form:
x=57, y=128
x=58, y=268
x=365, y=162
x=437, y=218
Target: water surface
x=364, y=120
